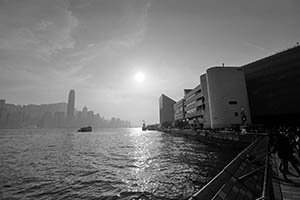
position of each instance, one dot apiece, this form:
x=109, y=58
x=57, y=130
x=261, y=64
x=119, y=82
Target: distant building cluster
x=57, y=115
x=264, y=92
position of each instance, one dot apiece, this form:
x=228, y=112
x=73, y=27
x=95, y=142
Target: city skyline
x=55, y=115
x=120, y=56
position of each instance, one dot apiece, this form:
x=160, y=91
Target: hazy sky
x=97, y=47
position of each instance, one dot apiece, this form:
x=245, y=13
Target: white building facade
x=219, y=101
x=227, y=97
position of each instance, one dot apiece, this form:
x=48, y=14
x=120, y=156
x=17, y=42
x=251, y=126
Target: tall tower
x=71, y=104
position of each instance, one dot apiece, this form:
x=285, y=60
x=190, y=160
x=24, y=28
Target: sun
x=139, y=77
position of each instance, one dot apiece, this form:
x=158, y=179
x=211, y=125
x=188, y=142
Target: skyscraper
x=71, y=104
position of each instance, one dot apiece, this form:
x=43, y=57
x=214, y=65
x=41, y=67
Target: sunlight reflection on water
x=106, y=163
x=141, y=155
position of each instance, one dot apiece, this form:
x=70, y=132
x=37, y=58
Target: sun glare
x=139, y=77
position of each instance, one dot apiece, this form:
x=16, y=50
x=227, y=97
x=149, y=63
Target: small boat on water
x=85, y=129
x=144, y=128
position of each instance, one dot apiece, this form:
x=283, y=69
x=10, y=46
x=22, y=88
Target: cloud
x=256, y=46
x=137, y=35
x=41, y=27
x=48, y=46
x=131, y=27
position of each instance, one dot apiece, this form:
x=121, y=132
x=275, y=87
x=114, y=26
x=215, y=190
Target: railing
x=266, y=184
x=245, y=177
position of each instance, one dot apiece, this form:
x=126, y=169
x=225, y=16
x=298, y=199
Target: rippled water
x=104, y=164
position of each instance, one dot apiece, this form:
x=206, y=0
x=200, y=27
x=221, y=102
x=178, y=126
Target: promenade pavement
x=285, y=189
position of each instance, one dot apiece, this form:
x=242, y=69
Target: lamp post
x=244, y=120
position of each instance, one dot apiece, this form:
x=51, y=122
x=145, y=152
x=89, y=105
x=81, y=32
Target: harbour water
x=105, y=164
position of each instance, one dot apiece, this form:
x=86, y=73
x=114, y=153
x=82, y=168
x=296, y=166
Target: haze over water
x=123, y=54
x=104, y=164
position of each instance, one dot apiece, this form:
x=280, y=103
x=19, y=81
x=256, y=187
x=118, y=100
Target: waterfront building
x=219, y=101
x=2, y=103
x=273, y=88
x=79, y=118
x=71, y=105
x=194, y=107
x=179, y=113
x=3, y=113
x=166, y=110
x=90, y=117
x=59, y=118
x=206, y=111
x=46, y=120
x=14, y=119
x=227, y=97
x=3, y=118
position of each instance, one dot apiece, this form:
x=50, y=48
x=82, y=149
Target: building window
x=232, y=102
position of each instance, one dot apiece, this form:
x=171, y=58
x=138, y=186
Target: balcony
x=198, y=113
x=198, y=103
x=198, y=95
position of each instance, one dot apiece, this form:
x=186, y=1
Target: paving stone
x=290, y=190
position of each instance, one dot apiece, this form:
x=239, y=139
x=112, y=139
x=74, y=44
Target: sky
x=97, y=48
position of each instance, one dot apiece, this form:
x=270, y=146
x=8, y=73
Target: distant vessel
x=85, y=129
x=144, y=128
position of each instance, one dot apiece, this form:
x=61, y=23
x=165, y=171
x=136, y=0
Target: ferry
x=85, y=129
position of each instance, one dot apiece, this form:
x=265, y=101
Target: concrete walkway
x=284, y=190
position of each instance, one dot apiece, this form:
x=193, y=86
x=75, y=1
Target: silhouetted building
x=79, y=119
x=34, y=113
x=273, y=88
x=59, y=119
x=90, y=117
x=3, y=113
x=166, y=111
x=14, y=119
x=2, y=103
x=71, y=104
x=84, y=114
x=46, y=120
x=51, y=116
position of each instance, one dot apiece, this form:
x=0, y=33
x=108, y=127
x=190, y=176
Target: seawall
x=220, y=138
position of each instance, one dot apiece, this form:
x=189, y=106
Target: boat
x=144, y=128
x=85, y=129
